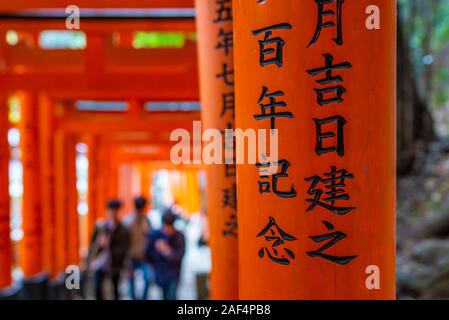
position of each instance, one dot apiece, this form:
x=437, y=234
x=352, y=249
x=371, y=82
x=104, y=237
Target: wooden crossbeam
x=20, y=5
x=97, y=25
x=107, y=123
x=162, y=88
x=102, y=70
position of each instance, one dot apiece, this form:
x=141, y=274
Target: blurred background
x=423, y=149
x=37, y=61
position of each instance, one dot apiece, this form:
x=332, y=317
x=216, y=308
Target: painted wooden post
x=31, y=252
x=5, y=239
x=73, y=249
x=47, y=183
x=112, y=174
x=97, y=157
x=322, y=225
x=193, y=193
x=145, y=180
x=66, y=202
x=215, y=45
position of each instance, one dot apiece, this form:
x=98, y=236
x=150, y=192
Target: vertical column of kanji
x=125, y=189
x=5, y=240
x=31, y=253
x=215, y=43
x=323, y=224
x=92, y=195
x=46, y=157
x=72, y=202
x=145, y=180
x=113, y=172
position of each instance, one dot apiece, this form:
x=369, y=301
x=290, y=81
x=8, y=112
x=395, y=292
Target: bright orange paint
x=34, y=4
x=192, y=191
x=47, y=182
x=5, y=240
x=101, y=174
x=92, y=195
x=73, y=248
x=61, y=207
x=224, y=276
x=101, y=70
x=31, y=244
x=125, y=175
x=369, y=109
x=146, y=180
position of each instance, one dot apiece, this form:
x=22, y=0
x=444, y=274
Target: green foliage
x=441, y=32
x=441, y=79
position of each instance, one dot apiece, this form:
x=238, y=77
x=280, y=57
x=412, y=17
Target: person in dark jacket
x=165, y=250
x=108, y=250
x=139, y=226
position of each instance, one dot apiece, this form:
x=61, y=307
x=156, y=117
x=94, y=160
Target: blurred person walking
x=108, y=250
x=139, y=227
x=165, y=250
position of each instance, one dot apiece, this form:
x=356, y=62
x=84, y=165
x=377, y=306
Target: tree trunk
x=415, y=123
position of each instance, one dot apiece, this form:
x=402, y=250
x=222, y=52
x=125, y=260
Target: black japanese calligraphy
x=224, y=11
x=323, y=13
x=268, y=110
x=231, y=226
x=333, y=184
x=228, y=101
x=333, y=93
x=338, y=146
x=229, y=197
x=272, y=187
x=225, y=41
x=269, y=55
x=230, y=169
x=227, y=75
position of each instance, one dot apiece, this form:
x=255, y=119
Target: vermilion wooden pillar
x=215, y=45
x=112, y=174
x=92, y=195
x=61, y=206
x=5, y=240
x=322, y=226
x=31, y=252
x=193, y=192
x=47, y=188
x=73, y=249
x=100, y=172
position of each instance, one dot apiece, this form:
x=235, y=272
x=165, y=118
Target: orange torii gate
x=113, y=140
x=49, y=80
x=5, y=240
x=322, y=225
x=216, y=63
